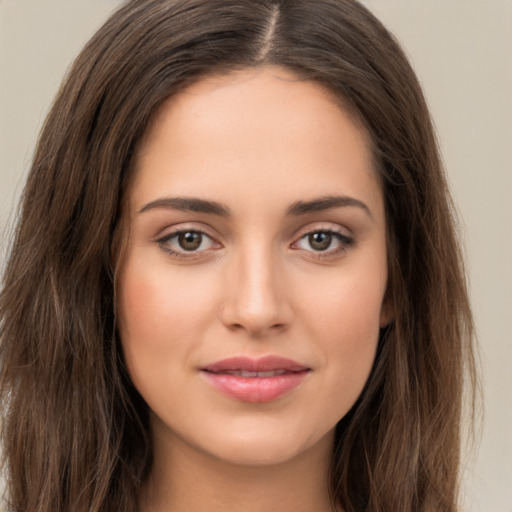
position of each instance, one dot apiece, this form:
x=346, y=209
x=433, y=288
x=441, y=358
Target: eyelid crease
x=184, y=227
x=323, y=227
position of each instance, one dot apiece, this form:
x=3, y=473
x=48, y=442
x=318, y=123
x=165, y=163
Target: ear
x=387, y=310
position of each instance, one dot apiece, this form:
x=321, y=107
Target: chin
x=264, y=446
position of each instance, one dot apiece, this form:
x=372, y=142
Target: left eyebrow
x=326, y=203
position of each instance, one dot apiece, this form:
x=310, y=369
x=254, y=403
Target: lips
x=255, y=380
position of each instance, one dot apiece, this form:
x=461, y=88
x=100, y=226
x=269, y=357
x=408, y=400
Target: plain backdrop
x=462, y=52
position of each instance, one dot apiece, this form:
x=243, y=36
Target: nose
x=256, y=299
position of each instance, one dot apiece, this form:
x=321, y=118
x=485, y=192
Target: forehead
x=250, y=95
x=256, y=130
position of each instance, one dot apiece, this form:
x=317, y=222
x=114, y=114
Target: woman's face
x=251, y=291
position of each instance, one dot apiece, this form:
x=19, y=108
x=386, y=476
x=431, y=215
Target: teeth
x=248, y=374
x=245, y=373
x=271, y=374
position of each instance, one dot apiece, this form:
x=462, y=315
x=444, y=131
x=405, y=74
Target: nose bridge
x=256, y=298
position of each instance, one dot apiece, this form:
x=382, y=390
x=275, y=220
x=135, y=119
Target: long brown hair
x=75, y=432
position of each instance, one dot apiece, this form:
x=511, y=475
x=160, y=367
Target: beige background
x=462, y=51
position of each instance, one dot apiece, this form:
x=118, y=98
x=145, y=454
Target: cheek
x=161, y=317
x=344, y=318
x=352, y=335
x=156, y=303
x=345, y=306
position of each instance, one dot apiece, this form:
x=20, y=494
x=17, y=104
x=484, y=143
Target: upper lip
x=262, y=364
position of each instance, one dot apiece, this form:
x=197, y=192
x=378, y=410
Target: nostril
x=256, y=328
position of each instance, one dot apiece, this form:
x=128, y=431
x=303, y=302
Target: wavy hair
x=75, y=432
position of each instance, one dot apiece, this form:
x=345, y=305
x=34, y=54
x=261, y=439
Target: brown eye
x=324, y=243
x=187, y=244
x=320, y=241
x=190, y=240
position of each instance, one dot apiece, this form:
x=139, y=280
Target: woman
x=235, y=282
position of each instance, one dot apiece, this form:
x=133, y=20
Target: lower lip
x=255, y=389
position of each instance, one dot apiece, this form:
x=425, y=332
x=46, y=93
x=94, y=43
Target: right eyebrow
x=187, y=204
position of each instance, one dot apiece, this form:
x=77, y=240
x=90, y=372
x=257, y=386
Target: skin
x=257, y=141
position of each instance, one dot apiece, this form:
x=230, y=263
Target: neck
x=184, y=479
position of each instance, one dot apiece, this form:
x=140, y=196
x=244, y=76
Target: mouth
x=255, y=380
x=263, y=365
x=248, y=374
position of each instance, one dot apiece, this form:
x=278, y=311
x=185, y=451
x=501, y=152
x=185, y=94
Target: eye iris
x=190, y=241
x=320, y=241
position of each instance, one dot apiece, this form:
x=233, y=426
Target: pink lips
x=255, y=380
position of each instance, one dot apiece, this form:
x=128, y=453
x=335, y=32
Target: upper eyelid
x=171, y=231
x=322, y=226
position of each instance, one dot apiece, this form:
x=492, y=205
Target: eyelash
x=345, y=242
x=164, y=241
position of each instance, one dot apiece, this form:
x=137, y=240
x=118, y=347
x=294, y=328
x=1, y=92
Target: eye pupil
x=190, y=241
x=320, y=241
